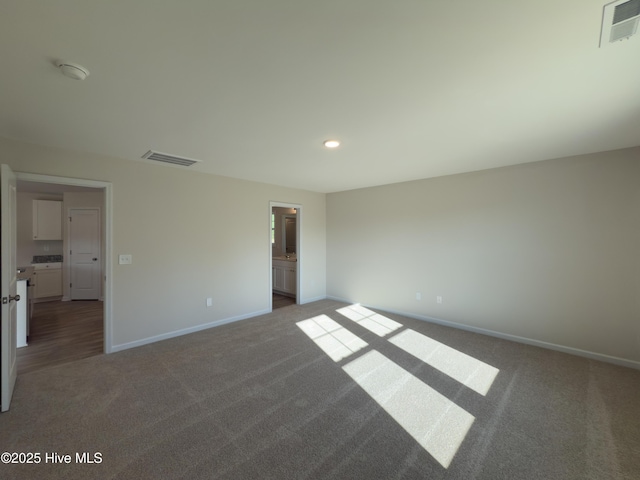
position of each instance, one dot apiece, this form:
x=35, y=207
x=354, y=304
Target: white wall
x=546, y=251
x=192, y=236
x=549, y=251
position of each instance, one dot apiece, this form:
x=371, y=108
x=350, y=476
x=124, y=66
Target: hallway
x=61, y=332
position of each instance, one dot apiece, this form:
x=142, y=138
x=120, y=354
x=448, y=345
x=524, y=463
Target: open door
x=8, y=359
x=285, y=240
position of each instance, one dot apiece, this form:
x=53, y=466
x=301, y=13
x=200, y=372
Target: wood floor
x=280, y=301
x=61, y=332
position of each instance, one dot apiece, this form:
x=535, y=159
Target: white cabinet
x=47, y=220
x=284, y=276
x=278, y=277
x=48, y=280
x=290, y=279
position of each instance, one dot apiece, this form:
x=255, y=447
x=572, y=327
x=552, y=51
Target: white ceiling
x=413, y=89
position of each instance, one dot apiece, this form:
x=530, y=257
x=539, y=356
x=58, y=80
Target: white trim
x=108, y=238
x=505, y=336
x=299, y=251
x=78, y=182
x=314, y=299
x=185, y=331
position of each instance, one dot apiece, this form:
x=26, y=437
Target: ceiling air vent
x=168, y=158
x=620, y=21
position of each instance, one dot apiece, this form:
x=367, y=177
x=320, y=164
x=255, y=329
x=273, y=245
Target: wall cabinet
x=284, y=276
x=48, y=280
x=47, y=220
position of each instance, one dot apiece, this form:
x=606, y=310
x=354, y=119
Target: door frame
x=107, y=188
x=8, y=339
x=299, y=250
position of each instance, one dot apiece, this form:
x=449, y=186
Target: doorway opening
x=70, y=314
x=285, y=253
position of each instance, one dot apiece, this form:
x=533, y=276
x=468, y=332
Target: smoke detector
x=620, y=21
x=73, y=70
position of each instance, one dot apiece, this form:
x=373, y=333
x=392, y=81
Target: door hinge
x=70, y=285
x=70, y=218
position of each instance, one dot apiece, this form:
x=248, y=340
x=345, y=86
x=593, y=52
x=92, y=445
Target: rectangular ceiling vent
x=168, y=158
x=620, y=21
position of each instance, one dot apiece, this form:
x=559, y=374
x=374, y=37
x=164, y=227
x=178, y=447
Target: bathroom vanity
x=284, y=272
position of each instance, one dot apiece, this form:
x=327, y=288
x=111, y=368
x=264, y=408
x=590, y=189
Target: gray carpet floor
x=258, y=399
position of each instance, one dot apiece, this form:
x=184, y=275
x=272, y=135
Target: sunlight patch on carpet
x=434, y=421
x=469, y=371
x=372, y=321
x=438, y=424
x=331, y=337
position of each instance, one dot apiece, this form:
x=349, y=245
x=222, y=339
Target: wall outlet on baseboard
x=209, y=302
x=439, y=299
x=418, y=296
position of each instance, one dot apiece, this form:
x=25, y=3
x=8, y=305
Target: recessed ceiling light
x=73, y=70
x=331, y=143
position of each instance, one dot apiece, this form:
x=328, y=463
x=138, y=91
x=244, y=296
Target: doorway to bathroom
x=285, y=253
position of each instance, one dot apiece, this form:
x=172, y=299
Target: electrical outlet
x=125, y=259
x=418, y=296
x=209, y=302
x=439, y=299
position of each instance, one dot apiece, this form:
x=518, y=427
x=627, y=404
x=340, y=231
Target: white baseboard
x=47, y=299
x=311, y=300
x=505, y=336
x=68, y=299
x=184, y=331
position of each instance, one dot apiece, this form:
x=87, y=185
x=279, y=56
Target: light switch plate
x=125, y=260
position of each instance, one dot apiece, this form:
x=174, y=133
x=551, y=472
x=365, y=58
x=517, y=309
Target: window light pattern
x=372, y=321
x=434, y=421
x=331, y=337
x=469, y=371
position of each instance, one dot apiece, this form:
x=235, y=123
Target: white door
x=8, y=324
x=84, y=253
